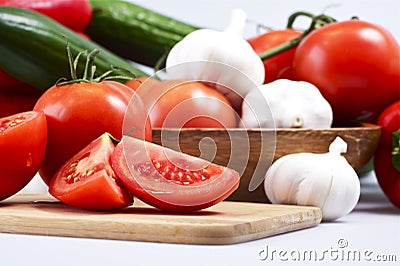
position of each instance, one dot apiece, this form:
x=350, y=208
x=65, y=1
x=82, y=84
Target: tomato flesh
x=170, y=180
x=23, y=139
x=87, y=180
x=175, y=173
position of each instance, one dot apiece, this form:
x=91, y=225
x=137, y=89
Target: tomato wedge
x=170, y=180
x=87, y=180
x=22, y=146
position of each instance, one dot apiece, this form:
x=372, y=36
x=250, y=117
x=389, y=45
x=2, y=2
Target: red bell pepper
x=387, y=156
x=74, y=14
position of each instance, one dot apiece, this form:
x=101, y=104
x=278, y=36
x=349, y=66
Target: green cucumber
x=33, y=49
x=134, y=32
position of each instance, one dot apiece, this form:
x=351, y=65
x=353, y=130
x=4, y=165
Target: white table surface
x=371, y=231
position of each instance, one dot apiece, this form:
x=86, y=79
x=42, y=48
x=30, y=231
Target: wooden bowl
x=251, y=152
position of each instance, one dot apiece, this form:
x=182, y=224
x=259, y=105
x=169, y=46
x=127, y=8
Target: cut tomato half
x=23, y=139
x=87, y=180
x=171, y=180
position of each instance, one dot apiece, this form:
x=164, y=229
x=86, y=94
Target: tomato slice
x=171, y=180
x=87, y=180
x=22, y=146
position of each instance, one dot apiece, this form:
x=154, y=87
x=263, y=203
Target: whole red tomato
x=278, y=66
x=74, y=14
x=78, y=113
x=387, y=157
x=22, y=146
x=178, y=103
x=356, y=66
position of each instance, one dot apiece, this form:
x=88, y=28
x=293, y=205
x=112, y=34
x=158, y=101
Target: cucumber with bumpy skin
x=135, y=32
x=33, y=49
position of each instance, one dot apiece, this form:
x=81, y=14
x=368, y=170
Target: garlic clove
x=346, y=187
x=296, y=185
x=256, y=111
x=314, y=190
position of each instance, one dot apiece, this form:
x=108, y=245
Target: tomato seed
x=11, y=123
x=174, y=173
x=196, y=176
x=89, y=172
x=74, y=176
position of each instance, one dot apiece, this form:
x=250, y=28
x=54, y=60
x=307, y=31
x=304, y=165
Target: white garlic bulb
x=324, y=180
x=291, y=104
x=223, y=58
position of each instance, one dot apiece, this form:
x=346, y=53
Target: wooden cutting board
x=226, y=223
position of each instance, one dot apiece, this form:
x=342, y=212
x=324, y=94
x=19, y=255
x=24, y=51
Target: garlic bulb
x=222, y=58
x=324, y=180
x=286, y=103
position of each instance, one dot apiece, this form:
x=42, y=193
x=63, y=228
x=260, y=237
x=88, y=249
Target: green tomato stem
x=295, y=15
x=317, y=22
x=89, y=67
x=89, y=74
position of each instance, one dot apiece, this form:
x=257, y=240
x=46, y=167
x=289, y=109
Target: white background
x=274, y=13
x=374, y=225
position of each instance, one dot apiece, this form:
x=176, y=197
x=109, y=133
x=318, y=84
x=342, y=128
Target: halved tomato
x=87, y=180
x=23, y=139
x=171, y=180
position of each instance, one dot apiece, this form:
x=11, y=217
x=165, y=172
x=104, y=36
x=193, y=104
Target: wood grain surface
x=224, y=223
x=252, y=151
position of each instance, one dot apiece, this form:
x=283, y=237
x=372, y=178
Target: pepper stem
x=396, y=150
